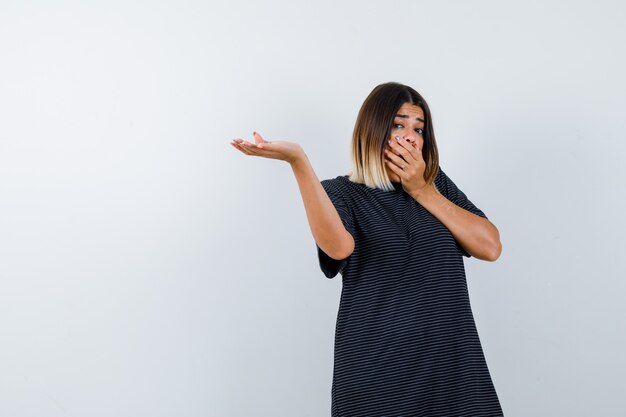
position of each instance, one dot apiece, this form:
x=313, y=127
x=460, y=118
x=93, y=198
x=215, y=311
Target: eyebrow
x=406, y=116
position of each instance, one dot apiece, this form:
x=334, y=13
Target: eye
x=419, y=130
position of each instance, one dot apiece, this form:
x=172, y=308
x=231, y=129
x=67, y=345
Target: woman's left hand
x=406, y=161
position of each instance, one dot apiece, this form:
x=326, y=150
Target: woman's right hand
x=285, y=151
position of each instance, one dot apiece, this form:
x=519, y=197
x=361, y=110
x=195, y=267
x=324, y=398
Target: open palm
x=285, y=151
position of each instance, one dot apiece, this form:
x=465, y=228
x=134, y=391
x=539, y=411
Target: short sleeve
x=449, y=190
x=329, y=266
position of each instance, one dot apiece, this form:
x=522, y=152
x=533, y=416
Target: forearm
x=326, y=225
x=477, y=235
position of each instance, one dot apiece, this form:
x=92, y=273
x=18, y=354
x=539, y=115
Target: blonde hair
x=373, y=128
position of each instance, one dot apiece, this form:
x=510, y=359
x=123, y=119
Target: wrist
x=299, y=161
x=423, y=193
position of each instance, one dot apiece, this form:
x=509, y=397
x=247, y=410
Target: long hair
x=373, y=128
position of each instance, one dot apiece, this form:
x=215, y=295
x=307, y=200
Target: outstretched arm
x=328, y=230
x=326, y=226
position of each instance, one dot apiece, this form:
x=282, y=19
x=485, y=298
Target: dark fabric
x=405, y=340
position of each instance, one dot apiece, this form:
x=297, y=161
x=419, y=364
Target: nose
x=410, y=137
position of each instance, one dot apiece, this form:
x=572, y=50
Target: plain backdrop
x=147, y=268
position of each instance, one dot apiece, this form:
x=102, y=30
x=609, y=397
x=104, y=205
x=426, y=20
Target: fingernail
x=389, y=141
x=398, y=138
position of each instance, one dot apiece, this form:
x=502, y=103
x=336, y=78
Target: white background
x=149, y=269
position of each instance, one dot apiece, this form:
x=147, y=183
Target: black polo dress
x=405, y=340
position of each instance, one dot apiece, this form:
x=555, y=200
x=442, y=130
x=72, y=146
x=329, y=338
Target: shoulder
x=339, y=183
x=338, y=179
x=339, y=188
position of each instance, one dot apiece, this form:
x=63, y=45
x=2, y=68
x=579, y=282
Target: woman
x=397, y=229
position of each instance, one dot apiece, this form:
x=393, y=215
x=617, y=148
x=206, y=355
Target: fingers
x=257, y=138
x=395, y=168
x=407, y=150
x=410, y=149
x=247, y=145
x=395, y=159
x=249, y=148
x=262, y=143
x=398, y=148
x=238, y=144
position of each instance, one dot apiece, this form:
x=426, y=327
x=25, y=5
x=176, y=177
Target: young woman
x=397, y=229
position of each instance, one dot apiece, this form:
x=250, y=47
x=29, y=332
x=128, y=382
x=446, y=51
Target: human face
x=408, y=124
